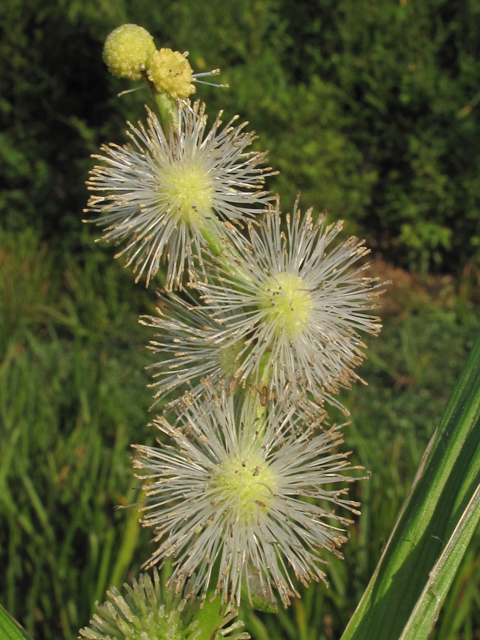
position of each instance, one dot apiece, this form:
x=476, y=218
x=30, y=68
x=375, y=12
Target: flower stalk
x=243, y=489
x=167, y=111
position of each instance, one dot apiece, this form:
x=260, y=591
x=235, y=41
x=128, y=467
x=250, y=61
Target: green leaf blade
x=9, y=628
x=433, y=511
x=428, y=606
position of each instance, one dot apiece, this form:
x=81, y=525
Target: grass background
x=73, y=397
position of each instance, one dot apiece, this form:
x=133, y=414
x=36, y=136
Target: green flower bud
x=128, y=50
x=171, y=73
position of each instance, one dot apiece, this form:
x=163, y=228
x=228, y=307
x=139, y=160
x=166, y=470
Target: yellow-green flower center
x=247, y=483
x=287, y=302
x=190, y=192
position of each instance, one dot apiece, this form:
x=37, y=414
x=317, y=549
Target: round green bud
x=128, y=50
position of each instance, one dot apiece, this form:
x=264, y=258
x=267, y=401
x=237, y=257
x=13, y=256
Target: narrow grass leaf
x=426, y=610
x=9, y=628
x=431, y=517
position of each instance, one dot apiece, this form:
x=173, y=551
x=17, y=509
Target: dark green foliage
x=368, y=107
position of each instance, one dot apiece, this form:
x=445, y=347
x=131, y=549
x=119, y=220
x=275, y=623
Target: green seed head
x=127, y=51
x=190, y=192
x=287, y=302
x=148, y=612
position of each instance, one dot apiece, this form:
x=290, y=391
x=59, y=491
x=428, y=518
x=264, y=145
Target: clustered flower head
x=290, y=308
x=228, y=503
x=187, y=342
x=170, y=72
x=130, y=52
x=168, y=192
x=284, y=316
x=147, y=612
x=246, y=487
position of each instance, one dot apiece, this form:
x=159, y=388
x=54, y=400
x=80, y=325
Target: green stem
x=261, y=400
x=262, y=403
x=228, y=255
x=167, y=110
x=214, y=243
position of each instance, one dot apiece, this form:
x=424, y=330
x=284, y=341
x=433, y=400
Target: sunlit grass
x=73, y=397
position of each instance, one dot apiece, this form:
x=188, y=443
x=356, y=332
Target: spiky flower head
x=186, y=341
x=171, y=73
x=146, y=612
x=295, y=305
x=127, y=51
x=227, y=501
x=191, y=356
x=162, y=195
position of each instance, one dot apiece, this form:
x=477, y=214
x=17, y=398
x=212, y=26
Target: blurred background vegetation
x=370, y=109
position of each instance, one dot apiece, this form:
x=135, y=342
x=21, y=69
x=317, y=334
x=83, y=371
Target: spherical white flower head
x=163, y=194
x=295, y=307
x=227, y=501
